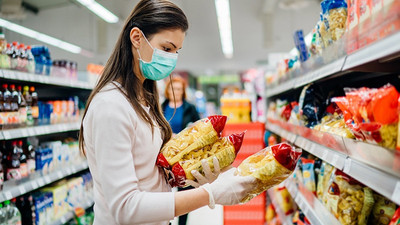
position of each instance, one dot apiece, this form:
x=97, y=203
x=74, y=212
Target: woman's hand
x=208, y=177
x=229, y=189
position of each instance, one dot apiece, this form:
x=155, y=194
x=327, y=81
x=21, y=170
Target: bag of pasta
x=348, y=200
x=224, y=149
x=269, y=166
x=203, y=132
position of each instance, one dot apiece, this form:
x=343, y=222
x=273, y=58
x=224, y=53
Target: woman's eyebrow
x=172, y=44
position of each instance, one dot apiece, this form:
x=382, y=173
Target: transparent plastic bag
x=269, y=166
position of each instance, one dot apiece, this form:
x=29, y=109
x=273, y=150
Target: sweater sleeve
x=113, y=134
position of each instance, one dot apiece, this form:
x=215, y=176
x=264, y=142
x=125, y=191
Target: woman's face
x=178, y=90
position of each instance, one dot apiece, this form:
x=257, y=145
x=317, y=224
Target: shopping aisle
x=204, y=216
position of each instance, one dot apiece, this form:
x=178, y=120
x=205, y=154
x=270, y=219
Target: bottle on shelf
x=28, y=99
x=30, y=60
x=9, y=53
x=4, y=159
x=3, y=218
x=27, y=208
x=7, y=105
x=22, y=59
x=14, y=165
x=1, y=172
x=23, y=161
x=14, y=106
x=13, y=214
x=22, y=107
x=30, y=153
x=14, y=56
x=4, y=60
x=2, y=113
x=35, y=108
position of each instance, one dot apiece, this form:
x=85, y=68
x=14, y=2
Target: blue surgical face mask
x=161, y=65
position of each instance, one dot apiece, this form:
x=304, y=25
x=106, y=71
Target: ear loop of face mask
x=173, y=94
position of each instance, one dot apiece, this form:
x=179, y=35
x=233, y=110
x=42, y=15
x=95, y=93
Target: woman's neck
x=177, y=103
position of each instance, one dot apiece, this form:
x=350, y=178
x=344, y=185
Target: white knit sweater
x=121, y=152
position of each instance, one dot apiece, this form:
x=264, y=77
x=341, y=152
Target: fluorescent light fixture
x=99, y=10
x=40, y=36
x=224, y=25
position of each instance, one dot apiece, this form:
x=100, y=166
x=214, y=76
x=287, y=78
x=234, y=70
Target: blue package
x=301, y=45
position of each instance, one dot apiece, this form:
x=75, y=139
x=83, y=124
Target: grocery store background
x=274, y=67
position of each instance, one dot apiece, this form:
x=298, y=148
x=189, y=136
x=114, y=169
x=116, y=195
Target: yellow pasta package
x=224, y=149
x=203, y=132
x=269, y=166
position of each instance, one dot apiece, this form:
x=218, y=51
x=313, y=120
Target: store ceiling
x=259, y=27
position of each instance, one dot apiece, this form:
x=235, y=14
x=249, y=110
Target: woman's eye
x=167, y=49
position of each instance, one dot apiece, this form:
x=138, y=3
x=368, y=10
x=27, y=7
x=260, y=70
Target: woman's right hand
x=229, y=189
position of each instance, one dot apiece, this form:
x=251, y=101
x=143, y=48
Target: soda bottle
x=22, y=107
x=30, y=60
x=1, y=171
x=26, y=206
x=14, y=214
x=28, y=99
x=3, y=218
x=23, y=161
x=14, y=56
x=22, y=61
x=30, y=153
x=14, y=165
x=4, y=159
x=9, y=55
x=7, y=106
x=35, y=108
x=14, y=106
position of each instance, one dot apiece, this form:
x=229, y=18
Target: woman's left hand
x=208, y=177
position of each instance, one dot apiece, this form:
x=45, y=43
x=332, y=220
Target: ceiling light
x=40, y=36
x=224, y=25
x=99, y=10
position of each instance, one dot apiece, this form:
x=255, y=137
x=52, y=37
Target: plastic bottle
x=30, y=66
x=23, y=161
x=3, y=218
x=30, y=152
x=4, y=159
x=7, y=106
x=9, y=55
x=1, y=173
x=3, y=50
x=14, y=166
x=22, y=107
x=35, y=108
x=14, y=216
x=22, y=58
x=14, y=56
x=14, y=106
x=2, y=114
x=28, y=99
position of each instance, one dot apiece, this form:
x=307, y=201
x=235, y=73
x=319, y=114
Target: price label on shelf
x=6, y=135
x=34, y=185
x=69, y=171
x=59, y=175
x=347, y=165
x=40, y=182
x=24, y=133
x=8, y=195
x=396, y=193
x=22, y=189
x=335, y=160
x=325, y=154
x=47, y=179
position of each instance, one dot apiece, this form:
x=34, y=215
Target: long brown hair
x=151, y=17
x=169, y=86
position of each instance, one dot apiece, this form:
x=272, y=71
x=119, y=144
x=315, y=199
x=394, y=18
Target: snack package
x=323, y=179
x=269, y=166
x=337, y=18
x=382, y=211
x=372, y=114
x=285, y=200
x=270, y=213
x=348, y=200
x=335, y=124
x=396, y=218
x=224, y=149
x=312, y=105
x=308, y=174
x=203, y=132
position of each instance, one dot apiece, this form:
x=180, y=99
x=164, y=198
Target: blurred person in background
x=179, y=113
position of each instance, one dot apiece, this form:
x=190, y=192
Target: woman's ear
x=135, y=36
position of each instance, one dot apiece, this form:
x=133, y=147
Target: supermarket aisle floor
x=204, y=216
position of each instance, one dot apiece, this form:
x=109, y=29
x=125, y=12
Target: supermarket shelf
x=380, y=49
x=38, y=130
x=15, y=188
x=316, y=213
x=70, y=215
x=286, y=220
x=35, y=78
x=337, y=154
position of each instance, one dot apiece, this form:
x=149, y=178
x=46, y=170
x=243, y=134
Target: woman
x=123, y=127
x=179, y=113
x=177, y=110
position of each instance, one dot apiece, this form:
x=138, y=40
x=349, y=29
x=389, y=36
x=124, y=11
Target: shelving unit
x=41, y=79
x=70, y=215
x=366, y=174
x=38, y=130
x=15, y=188
x=375, y=51
x=285, y=219
x=316, y=213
